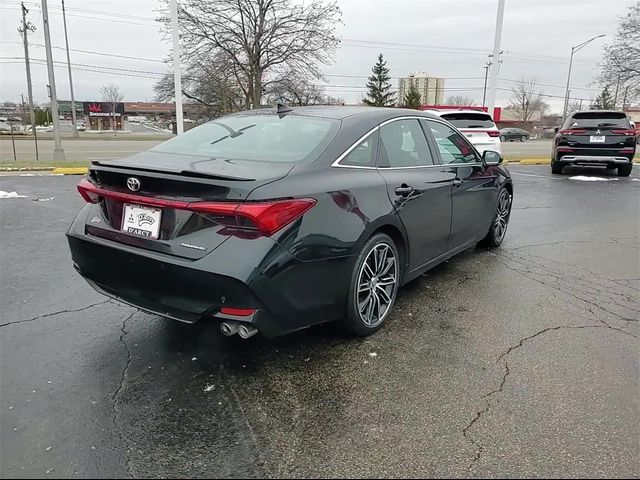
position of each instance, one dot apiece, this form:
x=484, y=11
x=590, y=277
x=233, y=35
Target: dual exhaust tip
x=244, y=331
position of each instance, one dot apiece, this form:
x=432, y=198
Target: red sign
x=95, y=108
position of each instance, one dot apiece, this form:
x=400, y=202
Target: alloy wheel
x=377, y=282
x=502, y=215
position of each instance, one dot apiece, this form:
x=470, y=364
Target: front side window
x=267, y=138
x=364, y=154
x=403, y=144
x=452, y=146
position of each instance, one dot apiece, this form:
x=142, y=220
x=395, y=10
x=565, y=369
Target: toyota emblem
x=133, y=183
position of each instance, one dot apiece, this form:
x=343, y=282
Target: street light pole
x=73, y=103
x=493, y=83
x=58, y=152
x=177, y=76
x=574, y=49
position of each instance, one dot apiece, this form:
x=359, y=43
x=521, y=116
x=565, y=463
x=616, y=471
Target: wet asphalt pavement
x=522, y=361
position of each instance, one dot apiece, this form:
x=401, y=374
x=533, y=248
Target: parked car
x=595, y=137
x=276, y=220
x=511, y=134
x=477, y=126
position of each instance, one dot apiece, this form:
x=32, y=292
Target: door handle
x=404, y=190
x=457, y=182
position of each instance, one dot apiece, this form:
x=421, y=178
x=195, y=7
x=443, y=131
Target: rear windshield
x=599, y=119
x=470, y=120
x=266, y=138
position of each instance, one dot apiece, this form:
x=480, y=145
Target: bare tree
x=460, y=100
x=112, y=95
x=526, y=100
x=294, y=90
x=621, y=65
x=211, y=82
x=262, y=38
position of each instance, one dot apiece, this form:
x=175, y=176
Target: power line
x=90, y=52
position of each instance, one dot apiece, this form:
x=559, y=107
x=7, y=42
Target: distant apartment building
x=431, y=89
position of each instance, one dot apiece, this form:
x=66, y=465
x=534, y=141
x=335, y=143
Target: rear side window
x=403, y=144
x=268, y=138
x=364, y=154
x=598, y=119
x=469, y=120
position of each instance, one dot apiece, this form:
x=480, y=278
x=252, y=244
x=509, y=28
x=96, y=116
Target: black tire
x=556, y=167
x=495, y=235
x=502, y=138
x=357, y=298
x=523, y=138
x=625, y=170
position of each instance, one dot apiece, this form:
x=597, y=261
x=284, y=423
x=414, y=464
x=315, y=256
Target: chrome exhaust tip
x=229, y=328
x=247, y=331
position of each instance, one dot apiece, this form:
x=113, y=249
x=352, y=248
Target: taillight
x=268, y=216
x=88, y=191
x=573, y=131
x=493, y=133
x=623, y=132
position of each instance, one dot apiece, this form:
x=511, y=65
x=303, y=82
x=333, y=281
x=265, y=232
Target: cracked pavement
x=516, y=362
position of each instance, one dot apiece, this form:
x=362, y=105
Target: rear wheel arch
x=399, y=239
x=391, y=226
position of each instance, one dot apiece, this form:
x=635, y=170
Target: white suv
x=476, y=125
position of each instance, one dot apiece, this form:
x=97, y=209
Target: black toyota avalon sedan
x=275, y=220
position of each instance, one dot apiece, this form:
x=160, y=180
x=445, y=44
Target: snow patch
x=583, y=178
x=4, y=194
x=635, y=179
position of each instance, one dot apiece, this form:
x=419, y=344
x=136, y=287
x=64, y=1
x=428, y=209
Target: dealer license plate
x=141, y=221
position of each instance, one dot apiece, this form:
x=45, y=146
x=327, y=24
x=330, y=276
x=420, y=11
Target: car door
x=474, y=189
x=418, y=187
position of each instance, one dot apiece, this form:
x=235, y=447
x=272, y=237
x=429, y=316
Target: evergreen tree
x=604, y=101
x=379, y=85
x=412, y=98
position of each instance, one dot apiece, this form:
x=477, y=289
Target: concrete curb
x=70, y=171
x=535, y=161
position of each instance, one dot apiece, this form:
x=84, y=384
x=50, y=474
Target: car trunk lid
x=156, y=210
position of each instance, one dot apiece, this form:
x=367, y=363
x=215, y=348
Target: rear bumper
x=493, y=146
x=287, y=294
x=595, y=159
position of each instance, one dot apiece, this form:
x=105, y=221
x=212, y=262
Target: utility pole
x=73, y=103
x=25, y=29
x=58, y=152
x=177, y=77
x=493, y=84
x=486, y=75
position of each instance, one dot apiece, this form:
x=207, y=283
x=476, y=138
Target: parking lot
x=520, y=361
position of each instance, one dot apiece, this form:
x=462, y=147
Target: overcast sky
x=537, y=39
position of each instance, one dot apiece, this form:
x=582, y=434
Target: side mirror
x=490, y=158
x=556, y=129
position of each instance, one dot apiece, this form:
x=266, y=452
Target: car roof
x=600, y=112
x=340, y=112
x=462, y=110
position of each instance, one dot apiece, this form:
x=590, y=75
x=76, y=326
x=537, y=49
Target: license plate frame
x=141, y=221
x=597, y=139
